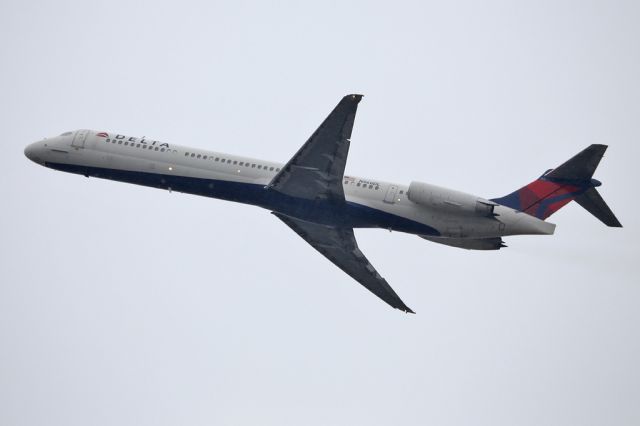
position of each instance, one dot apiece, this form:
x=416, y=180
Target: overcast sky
x=125, y=305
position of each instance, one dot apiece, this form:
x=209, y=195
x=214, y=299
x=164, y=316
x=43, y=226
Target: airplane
x=311, y=194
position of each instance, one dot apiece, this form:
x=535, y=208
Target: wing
x=316, y=170
x=339, y=246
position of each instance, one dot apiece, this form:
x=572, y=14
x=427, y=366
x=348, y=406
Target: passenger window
x=204, y=157
x=119, y=142
x=138, y=146
x=277, y=170
x=186, y=154
x=271, y=168
x=217, y=158
x=161, y=149
x=156, y=148
x=358, y=184
x=401, y=192
x=259, y=166
x=126, y=143
x=242, y=163
x=253, y=166
x=235, y=162
x=370, y=186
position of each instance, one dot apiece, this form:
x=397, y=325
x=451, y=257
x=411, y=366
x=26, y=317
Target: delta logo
x=103, y=134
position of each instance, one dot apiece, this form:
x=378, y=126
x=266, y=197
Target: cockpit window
x=66, y=133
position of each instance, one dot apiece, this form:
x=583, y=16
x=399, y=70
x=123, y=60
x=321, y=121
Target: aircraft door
x=79, y=138
x=390, y=197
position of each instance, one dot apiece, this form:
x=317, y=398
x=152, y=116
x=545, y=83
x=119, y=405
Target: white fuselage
x=372, y=203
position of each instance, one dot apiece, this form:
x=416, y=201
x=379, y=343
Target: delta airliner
x=311, y=194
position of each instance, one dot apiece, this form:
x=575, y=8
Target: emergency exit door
x=390, y=197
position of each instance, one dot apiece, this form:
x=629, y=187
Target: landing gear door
x=79, y=138
x=390, y=197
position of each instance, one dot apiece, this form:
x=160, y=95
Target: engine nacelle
x=449, y=201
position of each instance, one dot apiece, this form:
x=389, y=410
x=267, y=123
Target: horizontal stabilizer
x=581, y=166
x=594, y=204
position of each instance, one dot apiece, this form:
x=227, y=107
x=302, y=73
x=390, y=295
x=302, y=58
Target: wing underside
x=315, y=172
x=340, y=247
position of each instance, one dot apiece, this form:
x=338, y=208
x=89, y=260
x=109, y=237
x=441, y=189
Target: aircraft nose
x=31, y=152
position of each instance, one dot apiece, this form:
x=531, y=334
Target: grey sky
x=123, y=305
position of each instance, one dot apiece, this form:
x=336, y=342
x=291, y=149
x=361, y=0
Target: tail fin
x=572, y=180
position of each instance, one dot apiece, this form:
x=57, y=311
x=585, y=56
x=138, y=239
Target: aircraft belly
x=354, y=213
x=318, y=211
